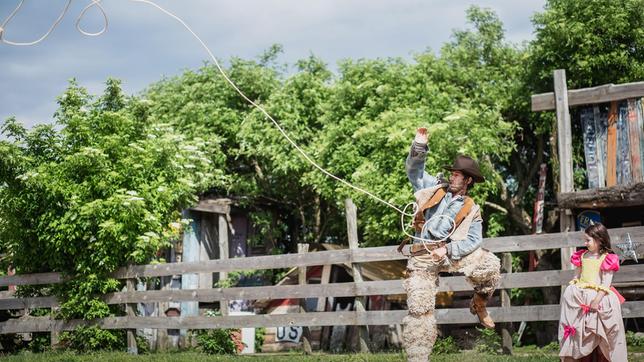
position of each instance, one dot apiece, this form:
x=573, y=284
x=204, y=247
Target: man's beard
x=456, y=188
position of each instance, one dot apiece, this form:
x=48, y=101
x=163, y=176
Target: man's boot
x=477, y=306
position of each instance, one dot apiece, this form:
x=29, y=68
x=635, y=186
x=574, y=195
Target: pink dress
x=582, y=330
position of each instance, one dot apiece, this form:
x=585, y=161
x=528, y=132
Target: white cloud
x=142, y=44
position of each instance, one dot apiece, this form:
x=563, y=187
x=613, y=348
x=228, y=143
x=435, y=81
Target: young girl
x=591, y=314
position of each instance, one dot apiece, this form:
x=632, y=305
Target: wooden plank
x=600, y=94
x=615, y=196
x=31, y=279
x=564, y=145
x=611, y=147
x=250, y=263
x=359, y=302
x=506, y=330
x=344, y=256
x=633, y=309
x=129, y=309
x=219, y=206
x=223, y=255
x=633, y=274
x=634, y=141
x=301, y=278
x=324, y=280
x=10, y=302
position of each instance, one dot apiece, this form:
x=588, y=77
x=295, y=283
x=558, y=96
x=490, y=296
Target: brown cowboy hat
x=468, y=166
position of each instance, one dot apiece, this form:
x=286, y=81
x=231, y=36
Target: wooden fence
x=629, y=275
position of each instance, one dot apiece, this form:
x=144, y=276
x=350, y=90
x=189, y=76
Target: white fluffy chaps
x=421, y=291
x=419, y=335
x=482, y=272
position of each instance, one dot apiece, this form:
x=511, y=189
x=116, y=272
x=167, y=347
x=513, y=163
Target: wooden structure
x=573, y=201
x=628, y=276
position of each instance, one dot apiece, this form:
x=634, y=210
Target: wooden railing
x=629, y=274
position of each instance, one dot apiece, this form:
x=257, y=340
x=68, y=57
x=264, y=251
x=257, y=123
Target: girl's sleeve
x=575, y=259
x=611, y=263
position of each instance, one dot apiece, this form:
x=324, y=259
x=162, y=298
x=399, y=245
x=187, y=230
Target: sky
x=142, y=45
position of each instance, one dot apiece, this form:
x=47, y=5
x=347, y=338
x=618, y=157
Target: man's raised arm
x=415, y=163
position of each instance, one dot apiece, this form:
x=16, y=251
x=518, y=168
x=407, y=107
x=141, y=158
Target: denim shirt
x=440, y=227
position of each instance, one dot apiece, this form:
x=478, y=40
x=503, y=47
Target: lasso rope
x=97, y=3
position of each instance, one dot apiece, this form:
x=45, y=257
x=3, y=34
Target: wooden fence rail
x=631, y=275
x=443, y=316
x=550, y=278
x=344, y=256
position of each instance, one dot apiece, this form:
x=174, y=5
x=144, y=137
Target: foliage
x=445, y=345
x=92, y=338
x=260, y=333
x=215, y=341
x=100, y=190
x=634, y=339
x=595, y=41
x=488, y=342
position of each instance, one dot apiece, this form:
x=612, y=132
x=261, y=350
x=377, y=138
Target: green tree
x=101, y=190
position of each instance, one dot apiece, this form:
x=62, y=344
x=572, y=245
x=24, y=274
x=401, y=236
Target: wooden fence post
x=564, y=143
x=301, y=277
x=129, y=308
x=322, y=301
x=223, y=254
x=352, y=231
x=506, y=331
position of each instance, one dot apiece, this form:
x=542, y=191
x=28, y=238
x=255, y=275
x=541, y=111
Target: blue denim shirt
x=440, y=227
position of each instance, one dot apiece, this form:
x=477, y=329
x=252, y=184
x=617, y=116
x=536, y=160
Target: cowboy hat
x=468, y=166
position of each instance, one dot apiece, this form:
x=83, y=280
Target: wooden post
x=223, y=254
x=352, y=231
x=321, y=307
x=564, y=142
x=129, y=308
x=301, y=277
x=55, y=333
x=506, y=331
x=162, y=333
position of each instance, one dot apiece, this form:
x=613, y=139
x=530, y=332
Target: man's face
x=458, y=182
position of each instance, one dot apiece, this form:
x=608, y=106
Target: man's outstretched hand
x=421, y=136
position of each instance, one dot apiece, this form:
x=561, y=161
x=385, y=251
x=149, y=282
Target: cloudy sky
x=142, y=44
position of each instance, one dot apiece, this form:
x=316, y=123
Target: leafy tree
x=101, y=189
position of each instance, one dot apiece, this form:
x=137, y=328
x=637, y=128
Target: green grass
x=290, y=357
x=521, y=355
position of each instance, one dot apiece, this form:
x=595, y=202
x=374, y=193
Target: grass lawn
x=527, y=355
x=291, y=357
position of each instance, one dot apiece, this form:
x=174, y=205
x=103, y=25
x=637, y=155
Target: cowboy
x=448, y=238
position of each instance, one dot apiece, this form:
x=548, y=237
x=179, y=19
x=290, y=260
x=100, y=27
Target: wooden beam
x=301, y=281
x=600, y=94
x=219, y=206
x=359, y=302
x=344, y=256
x=222, y=231
x=129, y=309
x=564, y=145
x=631, y=274
x=444, y=316
x=506, y=328
x=618, y=195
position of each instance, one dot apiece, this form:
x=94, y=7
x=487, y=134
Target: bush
x=634, y=339
x=216, y=341
x=445, y=346
x=259, y=338
x=488, y=342
x=85, y=339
